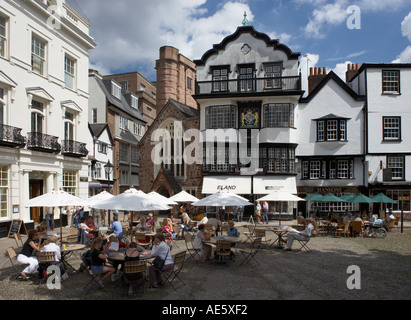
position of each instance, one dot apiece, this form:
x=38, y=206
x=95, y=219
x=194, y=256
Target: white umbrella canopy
x=280, y=196
x=99, y=197
x=160, y=198
x=183, y=196
x=130, y=200
x=219, y=199
x=56, y=199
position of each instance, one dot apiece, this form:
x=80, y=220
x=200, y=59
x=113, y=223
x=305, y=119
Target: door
x=36, y=189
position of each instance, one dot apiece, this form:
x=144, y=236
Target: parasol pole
x=131, y=226
x=61, y=226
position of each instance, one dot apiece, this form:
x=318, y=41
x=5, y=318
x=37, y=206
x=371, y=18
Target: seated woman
x=131, y=255
x=142, y=226
x=26, y=255
x=186, y=225
x=168, y=228
x=150, y=221
x=205, y=253
x=98, y=259
x=162, y=250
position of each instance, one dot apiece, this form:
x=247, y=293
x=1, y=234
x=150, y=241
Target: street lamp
x=108, y=168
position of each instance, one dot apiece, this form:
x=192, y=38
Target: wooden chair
x=223, y=250
x=18, y=268
x=299, y=220
x=132, y=270
x=45, y=259
x=391, y=225
x=318, y=230
x=193, y=252
x=73, y=231
x=250, y=234
x=171, y=275
x=71, y=238
x=261, y=234
x=142, y=239
x=357, y=227
x=249, y=254
x=340, y=222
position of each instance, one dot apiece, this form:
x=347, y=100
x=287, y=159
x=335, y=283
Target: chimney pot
x=324, y=70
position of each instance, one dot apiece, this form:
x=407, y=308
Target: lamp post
x=108, y=168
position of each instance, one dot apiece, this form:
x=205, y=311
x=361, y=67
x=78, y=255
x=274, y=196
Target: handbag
x=159, y=263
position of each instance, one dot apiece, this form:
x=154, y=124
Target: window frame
x=4, y=43
x=274, y=122
x=324, y=130
x=217, y=81
x=383, y=81
x=70, y=73
x=384, y=136
x=43, y=59
x=276, y=83
x=225, y=119
x=329, y=169
x=390, y=158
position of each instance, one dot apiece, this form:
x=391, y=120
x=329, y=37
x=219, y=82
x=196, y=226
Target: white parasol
x=160, y=198
x=220, y=199
x=58, y=199
x=183, y=196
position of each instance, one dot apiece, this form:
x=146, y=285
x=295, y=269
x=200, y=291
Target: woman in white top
x=162, y=250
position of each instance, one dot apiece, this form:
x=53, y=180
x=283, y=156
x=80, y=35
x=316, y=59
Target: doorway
x=36, y=189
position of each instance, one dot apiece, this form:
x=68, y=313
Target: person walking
x=265, y=212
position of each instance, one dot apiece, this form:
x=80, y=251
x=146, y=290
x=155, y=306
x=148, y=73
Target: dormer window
x=331, y=128
x=116, y=90
x=134, y=102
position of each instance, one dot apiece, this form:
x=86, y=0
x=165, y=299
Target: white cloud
x=128, y=33
x=405, y=56
x=406, y=26
x=329, y=14
x=340, y=69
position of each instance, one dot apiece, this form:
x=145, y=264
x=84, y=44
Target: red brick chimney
x=352, y=69
x=315, y=77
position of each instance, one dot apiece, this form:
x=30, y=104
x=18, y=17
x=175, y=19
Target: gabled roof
x=122, y=105
x=332, y=76
x=258, y=35
x=97, y=129
x=184, y=110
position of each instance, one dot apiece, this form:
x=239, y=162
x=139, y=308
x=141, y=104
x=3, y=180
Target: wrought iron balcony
x=274, y=85
x=11, y=137
x=43, y=142
x=73, y=148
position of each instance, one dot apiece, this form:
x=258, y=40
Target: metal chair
x=18, y=268
x=132, y=270
x=45, y=260
x=260, y=234
x=171, y=275
x=142, y=239
x=249, y=254
x=304, y=245
x=250, y=234
x=193, y=252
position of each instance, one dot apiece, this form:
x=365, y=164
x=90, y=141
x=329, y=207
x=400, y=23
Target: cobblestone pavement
x=384, y=266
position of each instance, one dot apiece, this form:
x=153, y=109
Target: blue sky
x=129, y=33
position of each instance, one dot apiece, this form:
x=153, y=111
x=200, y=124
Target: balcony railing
x=43, y=142
x=11, y=136
x=73, y=148
x=244, y=86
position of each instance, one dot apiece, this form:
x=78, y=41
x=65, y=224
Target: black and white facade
x=248, y=90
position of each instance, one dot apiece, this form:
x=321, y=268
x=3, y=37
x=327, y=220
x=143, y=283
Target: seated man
x=303, y=235
x=116, y=227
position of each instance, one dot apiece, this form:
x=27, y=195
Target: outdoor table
x=120, y=256
x=214, y=240
x=279, y=232
x=69, y=250
x=328, y=225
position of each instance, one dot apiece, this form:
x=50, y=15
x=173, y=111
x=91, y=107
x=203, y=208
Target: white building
x=119, y=109
x=388, y=136
x=330, y=148
x=100, y=144
x=44, y=58
x=249, y=86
